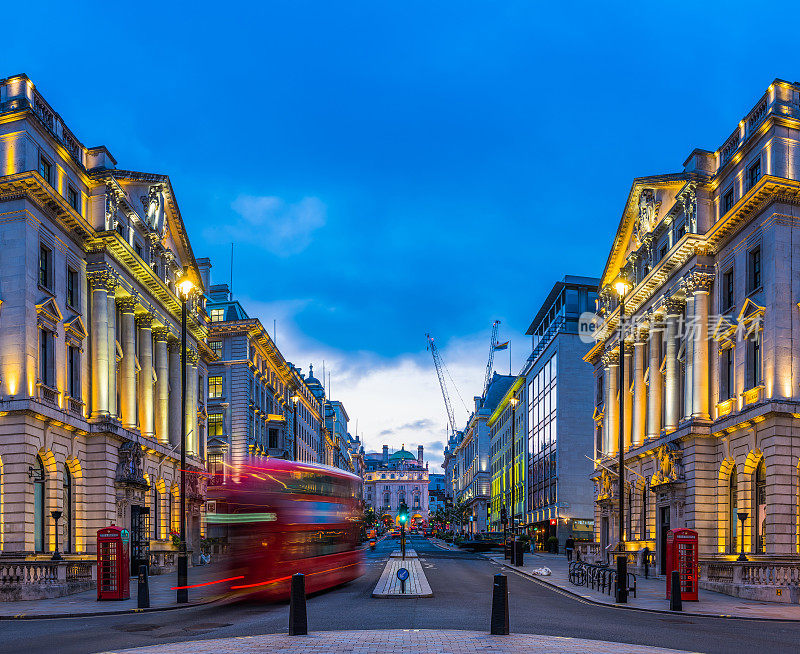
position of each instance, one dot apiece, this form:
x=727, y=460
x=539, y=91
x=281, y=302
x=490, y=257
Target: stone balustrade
x=767, y=581
x=30, y=580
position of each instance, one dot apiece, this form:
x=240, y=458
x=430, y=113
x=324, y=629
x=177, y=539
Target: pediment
x=76, y=327
x=48, y=315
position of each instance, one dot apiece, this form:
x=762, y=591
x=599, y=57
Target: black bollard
x=675, y=602
x=646, y=560
x=143, y=589
x=499, y=626
x=622, y=580
x=298, y=620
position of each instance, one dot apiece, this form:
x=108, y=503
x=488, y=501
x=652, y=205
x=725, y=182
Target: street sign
x=402, y=574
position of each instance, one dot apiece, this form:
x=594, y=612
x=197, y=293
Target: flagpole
x=509, y=357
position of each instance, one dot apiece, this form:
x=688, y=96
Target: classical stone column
x=160, y=336
x=100, y=282
x=144, y=323
x=113, y=409
x=628, y=397
x=688, y=344
x=701, y=283
x=127, y=367
x=175, y=392
x=639, y=388
x=654, y=398
x=611, y=361
x=671, y=404
x=192, y=440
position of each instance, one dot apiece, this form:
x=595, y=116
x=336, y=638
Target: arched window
x=67, y=507
x=733, y=512
x=156, y=512
x=643, y=515
x=760, y=507
x=37, y=474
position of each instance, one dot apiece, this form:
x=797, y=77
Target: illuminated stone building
x=391, y=479
x=712, y=378
x=252, y=390
x=90, y=403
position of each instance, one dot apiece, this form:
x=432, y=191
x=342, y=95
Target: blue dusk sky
x=391, y=168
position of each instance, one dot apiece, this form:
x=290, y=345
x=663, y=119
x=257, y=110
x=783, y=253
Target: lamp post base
x=183, y=577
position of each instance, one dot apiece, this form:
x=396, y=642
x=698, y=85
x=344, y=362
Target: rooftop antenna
x=230, y=287
x=275, y=331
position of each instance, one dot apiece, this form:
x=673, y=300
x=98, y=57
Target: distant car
x=395, y=534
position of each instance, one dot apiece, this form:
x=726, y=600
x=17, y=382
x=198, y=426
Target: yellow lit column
x=175, y=392
x=674, y=308
x=160, y=336
x=99, y=282
x=127, y=367
x=688, y=344
x=654, y=398
x=611, y=359
x=639, y=389
x=701, y=283
x=628, y=397
x=192, y=440
x=113, y=409
x=144, y=323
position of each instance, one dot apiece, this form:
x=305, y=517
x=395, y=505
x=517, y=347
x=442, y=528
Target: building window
x=754, y=269
x=45, y=266
x=216, y=468
x=46, y=357
x=727, y=290
x=727, y=201
x=214, y=388
x=73, y=371
x=217, y=315
x=273, y=438
x=68, y=513
x=38, y=476
x=155, y=499
x=754, y=360
x=46, y=170
x=663, y=252
x=733, y=512
x=72, y=287
x=74, y=199
x=760, y=503
x=727, y=374
x=216, y=347
x=215, y=424
x=753, y=173
x=643, y=515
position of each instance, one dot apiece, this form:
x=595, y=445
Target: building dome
x=402, y=455
x=311, y=380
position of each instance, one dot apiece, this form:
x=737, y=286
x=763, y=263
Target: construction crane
x=490, y=364
x=439, y=365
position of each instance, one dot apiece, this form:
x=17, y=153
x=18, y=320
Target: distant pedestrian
x=569, y=545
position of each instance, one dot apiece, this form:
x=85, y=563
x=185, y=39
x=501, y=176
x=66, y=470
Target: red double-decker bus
x=283, y=517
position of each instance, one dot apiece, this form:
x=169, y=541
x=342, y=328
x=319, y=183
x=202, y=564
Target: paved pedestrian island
x=419, y=641
x=410, y=554
x=416, y=585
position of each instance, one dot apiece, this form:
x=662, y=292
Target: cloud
x=379, y=392
x=272, y=224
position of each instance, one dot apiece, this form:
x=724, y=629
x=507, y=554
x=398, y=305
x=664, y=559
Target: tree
x=457, y=513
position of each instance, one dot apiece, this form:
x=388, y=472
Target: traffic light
x=402, y=514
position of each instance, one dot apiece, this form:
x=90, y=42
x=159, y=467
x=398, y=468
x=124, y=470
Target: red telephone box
x=113, y=563
x=682, y=556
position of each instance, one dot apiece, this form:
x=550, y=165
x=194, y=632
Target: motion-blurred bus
x=283, y=517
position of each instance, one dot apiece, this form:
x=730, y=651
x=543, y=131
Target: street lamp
x=56, y=555
x=622, y=286
x=742, y=515
x=296, y=449
x=513, y=400
x=185, y=288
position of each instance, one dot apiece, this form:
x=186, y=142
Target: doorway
x=663, y=517
x=140, y=537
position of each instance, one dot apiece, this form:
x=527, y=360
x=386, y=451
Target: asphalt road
x=461, y=583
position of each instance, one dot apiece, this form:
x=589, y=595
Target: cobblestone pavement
x=419, y=641
x=651, y=593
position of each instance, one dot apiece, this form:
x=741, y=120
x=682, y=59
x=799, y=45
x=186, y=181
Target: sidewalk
x=419, y=641
x=651, y=593
x=86, y=604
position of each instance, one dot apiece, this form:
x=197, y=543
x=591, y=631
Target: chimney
x=419, y=455
x=204, y=265
x=385, y=455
